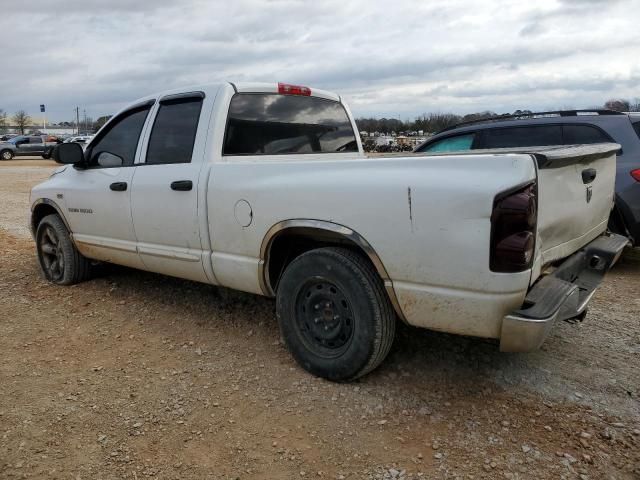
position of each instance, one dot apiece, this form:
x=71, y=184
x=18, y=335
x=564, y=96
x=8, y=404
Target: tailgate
x=575, y=197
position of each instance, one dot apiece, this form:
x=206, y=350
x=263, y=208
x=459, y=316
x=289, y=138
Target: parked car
x=565, y=127
x=265, y=188
x=82, y=139
x=24, y=145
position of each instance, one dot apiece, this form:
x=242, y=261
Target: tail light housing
x=513, y=229
x=635, y=174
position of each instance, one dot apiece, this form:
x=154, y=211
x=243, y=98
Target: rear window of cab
x=276, y=124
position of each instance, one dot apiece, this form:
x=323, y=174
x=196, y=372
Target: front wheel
x=60, y=261
x=6, y=155
x=334, y=313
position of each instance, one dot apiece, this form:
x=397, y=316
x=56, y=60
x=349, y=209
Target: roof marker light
x=286, y=89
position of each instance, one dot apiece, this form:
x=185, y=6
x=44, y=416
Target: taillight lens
x=286, y=89
x=513, y=229
x=636, y=174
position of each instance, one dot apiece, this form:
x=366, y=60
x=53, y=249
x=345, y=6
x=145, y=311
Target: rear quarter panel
x=427, y=218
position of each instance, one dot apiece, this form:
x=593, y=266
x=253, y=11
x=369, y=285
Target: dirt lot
x=136, y=375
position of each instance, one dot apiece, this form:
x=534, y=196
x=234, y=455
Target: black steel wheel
x=59, y=260
x=324, y=318
x=334, y=313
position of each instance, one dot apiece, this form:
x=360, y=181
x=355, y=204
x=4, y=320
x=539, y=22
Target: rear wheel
x=60, y=261
x=334, y=314
x=6, y=155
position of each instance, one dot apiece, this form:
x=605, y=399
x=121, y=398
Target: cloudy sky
x=399, y=58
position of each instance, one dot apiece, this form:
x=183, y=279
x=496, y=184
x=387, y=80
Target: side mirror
x=68, y=154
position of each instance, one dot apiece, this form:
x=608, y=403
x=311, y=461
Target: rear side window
x=174, y=131
x=273, y=124
x=636, y=127
x=120, y=140
x=450, y=144
x=535, y=135
x=583, y=134
x=35, y=140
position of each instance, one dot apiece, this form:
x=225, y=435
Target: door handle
x=118, y=186
x=588, y=175
x=182, y=185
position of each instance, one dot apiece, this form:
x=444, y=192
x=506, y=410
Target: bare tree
x=617, y=104
x=22, y=120
x=100, y=122
x=3, y=119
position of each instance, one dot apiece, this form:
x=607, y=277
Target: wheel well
x=39, y=212
x=293, y=242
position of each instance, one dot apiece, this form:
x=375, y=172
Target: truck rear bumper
x=560, y=295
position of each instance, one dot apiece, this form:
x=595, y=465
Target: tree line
x=434, y=122
x=22, y=121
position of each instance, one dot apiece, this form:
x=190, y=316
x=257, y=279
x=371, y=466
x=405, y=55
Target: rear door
x=35, y=145
x=164, y=195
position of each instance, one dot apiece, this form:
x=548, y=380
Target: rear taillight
x=513, y=230
x=635, y=174
x=287, y=89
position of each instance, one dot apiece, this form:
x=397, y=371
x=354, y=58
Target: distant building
x=37, y=129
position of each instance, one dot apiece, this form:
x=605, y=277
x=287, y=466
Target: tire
x=334, y=314
x=59, y=260
x=6, y=155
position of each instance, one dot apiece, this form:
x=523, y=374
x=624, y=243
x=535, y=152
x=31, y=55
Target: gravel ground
x=137, y=375
x=16, y=179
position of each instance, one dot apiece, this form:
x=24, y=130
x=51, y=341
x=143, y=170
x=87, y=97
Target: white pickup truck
x=264, y=188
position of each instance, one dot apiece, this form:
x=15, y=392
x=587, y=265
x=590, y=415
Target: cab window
x=117, y=145
x=274, y=124
x=174, y=131
x=451, y=144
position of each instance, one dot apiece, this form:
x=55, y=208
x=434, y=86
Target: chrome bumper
x=561, y=295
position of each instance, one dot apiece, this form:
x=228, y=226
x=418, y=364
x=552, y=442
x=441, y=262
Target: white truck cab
x=264, y=188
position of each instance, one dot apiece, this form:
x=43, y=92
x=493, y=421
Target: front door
x=164, y=196
x=22, y=147
x=98, y=198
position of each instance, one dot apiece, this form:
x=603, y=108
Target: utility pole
x=77, y=120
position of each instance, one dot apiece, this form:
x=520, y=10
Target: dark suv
x=568, y=127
